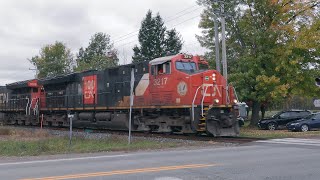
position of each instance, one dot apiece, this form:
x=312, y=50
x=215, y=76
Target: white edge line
x=288, y=143
x=94, y=157
x=65, y=159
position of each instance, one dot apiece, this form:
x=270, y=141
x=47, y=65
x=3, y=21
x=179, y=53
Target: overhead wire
x=170, y=17
x=170, y=27
x=133, y=34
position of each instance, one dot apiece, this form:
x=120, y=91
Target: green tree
x=99, y=55
x=53, y=60
x=173, y=42
x=154, y=39
x=268, y=49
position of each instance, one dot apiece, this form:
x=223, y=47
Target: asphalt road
x=274, y=159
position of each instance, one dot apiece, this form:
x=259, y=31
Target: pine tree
x=99, y=55
x=154, y=39
x=173, y=42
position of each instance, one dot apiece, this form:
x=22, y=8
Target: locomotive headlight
x=216, y=101
x=214, y=76
x=235, y=101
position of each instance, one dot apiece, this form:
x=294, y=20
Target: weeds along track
x=187, y=137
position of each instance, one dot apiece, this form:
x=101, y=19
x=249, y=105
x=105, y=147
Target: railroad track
x=192, y=137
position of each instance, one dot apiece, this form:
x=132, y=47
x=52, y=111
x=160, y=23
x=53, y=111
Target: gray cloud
x=26, y=26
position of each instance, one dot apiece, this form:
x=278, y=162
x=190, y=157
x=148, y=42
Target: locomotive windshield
x=203, y=66
x=186, y=66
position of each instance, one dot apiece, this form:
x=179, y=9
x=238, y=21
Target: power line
x=120, y=37
x=171, y=27
x=134, y=33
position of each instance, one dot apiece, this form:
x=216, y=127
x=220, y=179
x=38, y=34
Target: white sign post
x=316, y=102
x=70, y=116
x=131, y=103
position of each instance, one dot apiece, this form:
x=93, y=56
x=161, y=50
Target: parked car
x=282, y=118
x=306, y=124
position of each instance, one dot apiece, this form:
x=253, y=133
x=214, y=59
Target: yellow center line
x=109, y=173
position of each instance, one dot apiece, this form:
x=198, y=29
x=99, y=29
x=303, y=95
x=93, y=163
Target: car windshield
x=313, y=116
x=277, y=114
x=186, y=66
x=310, y=116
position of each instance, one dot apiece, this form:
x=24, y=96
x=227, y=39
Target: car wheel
x=272, y=126
x=304, y=128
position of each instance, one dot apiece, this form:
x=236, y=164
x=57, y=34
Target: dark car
x=282, y=118
x=306, y=124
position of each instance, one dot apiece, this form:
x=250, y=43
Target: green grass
x=60, y=145
x=266, y=134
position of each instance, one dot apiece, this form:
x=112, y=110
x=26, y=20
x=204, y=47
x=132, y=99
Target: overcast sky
x=26, y=26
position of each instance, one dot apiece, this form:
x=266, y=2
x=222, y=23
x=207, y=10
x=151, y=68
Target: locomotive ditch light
x=235, y=101
x=213, y=76
x=216, y=101
x=317, y=81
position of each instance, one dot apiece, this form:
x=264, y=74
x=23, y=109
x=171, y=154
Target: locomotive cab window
x=184, y=66
x=35, y=90
x=160, y=69
x=203, y=66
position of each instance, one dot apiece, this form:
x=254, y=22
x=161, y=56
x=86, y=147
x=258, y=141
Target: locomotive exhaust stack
x=173, y=94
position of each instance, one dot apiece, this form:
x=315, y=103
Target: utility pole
x=216, y=35
x=221, y=14
x=224, y=51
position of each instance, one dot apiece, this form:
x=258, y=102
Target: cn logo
x=90, y=89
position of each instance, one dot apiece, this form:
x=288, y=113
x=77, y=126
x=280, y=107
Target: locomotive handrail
x=204, y=95
x=235, y=92
x=194, y=99
x=35, y=109
x=29, y=109
x=31, y=105
x=27, y=105
x=195, y=96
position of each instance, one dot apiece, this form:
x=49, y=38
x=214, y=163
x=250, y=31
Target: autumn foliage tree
x=273, y=47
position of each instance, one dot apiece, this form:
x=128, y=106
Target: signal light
x=318, y=81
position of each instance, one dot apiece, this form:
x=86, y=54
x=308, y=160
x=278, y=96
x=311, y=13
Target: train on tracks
x=173, y=94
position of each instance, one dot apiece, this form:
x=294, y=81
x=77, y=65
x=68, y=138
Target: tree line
x=273, y=48
x=155, y=40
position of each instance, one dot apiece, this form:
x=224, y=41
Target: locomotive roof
x=161, y=60
x=58, y=79
x=19, y=84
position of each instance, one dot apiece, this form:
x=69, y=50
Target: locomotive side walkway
x=257, y=160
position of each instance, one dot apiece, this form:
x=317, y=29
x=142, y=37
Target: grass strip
x=60, y=145
x=266, y=134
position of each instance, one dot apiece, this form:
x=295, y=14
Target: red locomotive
x=171, y=94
